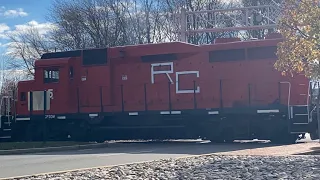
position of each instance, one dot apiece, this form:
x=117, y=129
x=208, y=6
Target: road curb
x=52, y=149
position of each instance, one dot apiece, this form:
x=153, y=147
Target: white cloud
x=3, y=36
x=4, y=27
x=12, y=12
x=43, y=28
x=9, y=48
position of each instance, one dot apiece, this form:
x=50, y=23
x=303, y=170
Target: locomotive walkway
x=21, y=165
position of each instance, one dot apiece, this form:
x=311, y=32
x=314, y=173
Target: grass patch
x=29, y=145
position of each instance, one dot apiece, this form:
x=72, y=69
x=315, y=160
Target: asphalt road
x=21, y=165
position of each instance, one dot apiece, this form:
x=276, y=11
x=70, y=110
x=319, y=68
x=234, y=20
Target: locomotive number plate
x=50, y=116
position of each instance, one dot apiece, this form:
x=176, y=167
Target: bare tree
x=8, y=86
x=149, y=22
x=70, y=34
x=105, y=23
x=26, y=47
x=89, y=23
x=9, y=78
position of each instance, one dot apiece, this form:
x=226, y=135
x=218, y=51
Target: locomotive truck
x=225, y=91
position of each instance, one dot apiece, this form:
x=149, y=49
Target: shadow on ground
x=314, y=151
x=184, y=147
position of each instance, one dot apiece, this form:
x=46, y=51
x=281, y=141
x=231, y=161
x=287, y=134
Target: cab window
x=51, y=75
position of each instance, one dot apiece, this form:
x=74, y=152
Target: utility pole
x=318, y=110
x=44, y=115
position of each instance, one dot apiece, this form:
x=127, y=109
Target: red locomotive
x=222, y=91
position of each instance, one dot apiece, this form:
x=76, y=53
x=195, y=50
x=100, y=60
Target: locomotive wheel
x=314, y=135
x=228, y=135
x=78, y=135
x=289, y=139
x=34, y=133
x=225, y=136
x=96, y=135
x=216, y=140
x=284, y=138
x=18, y=132
x=79, y=132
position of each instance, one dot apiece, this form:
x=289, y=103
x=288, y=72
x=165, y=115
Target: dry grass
x=29, y=145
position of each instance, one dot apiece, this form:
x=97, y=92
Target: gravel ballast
x=205, y=167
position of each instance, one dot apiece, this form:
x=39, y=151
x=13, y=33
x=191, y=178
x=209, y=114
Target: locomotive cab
x=52, y=76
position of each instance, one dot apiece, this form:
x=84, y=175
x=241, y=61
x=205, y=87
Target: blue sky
x=19, y=14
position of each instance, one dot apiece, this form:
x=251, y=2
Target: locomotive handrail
x=7, y=108
x=308, y=105
x=310, y=120
x=289, y=96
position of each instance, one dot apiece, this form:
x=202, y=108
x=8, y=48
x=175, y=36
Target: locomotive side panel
x=128, y=78
x=94, y=88
x=200, y=81
x=264, y=82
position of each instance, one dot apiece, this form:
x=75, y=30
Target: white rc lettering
x=167, y=72
x=180, y=91
x=153, y=72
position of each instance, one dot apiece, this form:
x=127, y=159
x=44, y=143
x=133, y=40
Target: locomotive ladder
x=299, y=115
x=5, y=118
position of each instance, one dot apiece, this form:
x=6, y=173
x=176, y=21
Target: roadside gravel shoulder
x=275, y=162
x=204, y=167
x=277, y=150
